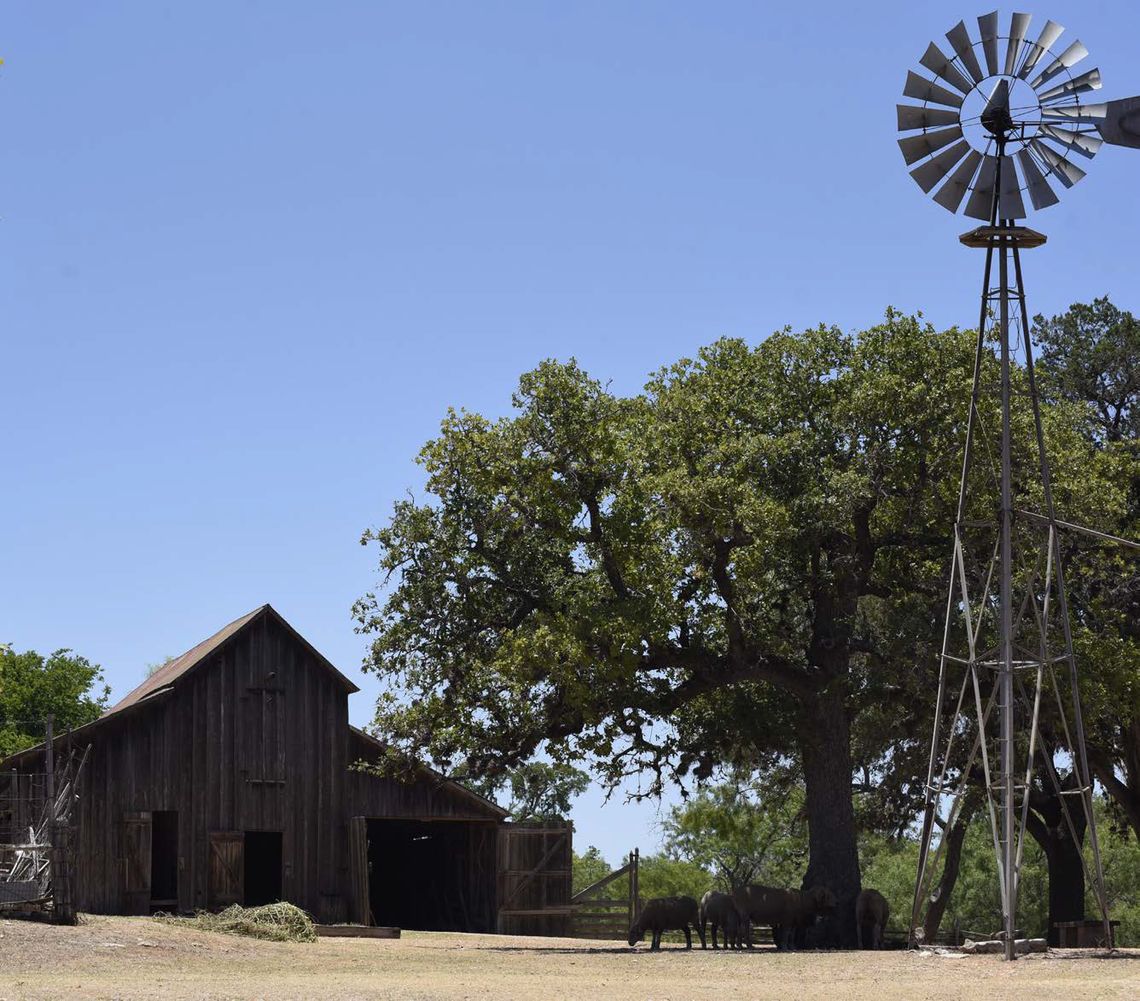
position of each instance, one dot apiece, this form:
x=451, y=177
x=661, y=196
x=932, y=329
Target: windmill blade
x=1010, y=205
x=927, y=90
x=1040, y=194
x=982, y=199
x=988, y=28
x=914, y=148
x=1121, y=125
x=1018, y=25
x=1078, y=142
x=940, y=65
x=930, y=173
x=1065, y=172
x=959, y=39
x=1091, y=114
x=1035, y=50
x=950, y=195
x=912, y=117
x=1066, y=60
x=1078, y=85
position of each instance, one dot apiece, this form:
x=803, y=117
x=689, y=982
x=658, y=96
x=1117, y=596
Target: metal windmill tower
x=1004, y=117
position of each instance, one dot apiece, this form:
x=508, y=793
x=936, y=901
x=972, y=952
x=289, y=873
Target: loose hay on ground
x=273, y=922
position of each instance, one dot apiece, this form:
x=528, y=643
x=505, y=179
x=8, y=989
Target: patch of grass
x=280, y=922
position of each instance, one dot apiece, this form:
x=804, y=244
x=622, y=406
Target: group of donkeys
x=789, y=913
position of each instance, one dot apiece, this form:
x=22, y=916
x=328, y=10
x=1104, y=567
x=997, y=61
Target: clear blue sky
x=250, y=252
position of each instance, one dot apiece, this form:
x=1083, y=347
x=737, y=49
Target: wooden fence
x=596, y=915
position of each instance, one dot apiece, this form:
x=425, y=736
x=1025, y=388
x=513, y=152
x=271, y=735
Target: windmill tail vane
x=1001, y=120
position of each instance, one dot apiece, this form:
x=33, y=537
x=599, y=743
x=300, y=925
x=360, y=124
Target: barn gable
x=177, y=668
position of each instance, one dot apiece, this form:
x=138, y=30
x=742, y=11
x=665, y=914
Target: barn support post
x=59, y=871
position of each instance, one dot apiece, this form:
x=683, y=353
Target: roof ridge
x=177, y=666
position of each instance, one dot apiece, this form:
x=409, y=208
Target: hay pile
x=276, y=922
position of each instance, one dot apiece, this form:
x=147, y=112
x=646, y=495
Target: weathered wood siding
x=426, y=798
x=535, y=878
x=254, y=738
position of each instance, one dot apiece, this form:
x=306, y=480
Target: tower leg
x=1005, y=668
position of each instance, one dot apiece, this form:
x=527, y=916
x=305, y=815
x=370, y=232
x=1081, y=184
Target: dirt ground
x=135, y=958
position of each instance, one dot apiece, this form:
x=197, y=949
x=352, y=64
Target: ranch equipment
x=995, y=123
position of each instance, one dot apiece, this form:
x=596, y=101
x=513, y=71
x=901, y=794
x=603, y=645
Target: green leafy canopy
x=655, y=582
x=32, y=687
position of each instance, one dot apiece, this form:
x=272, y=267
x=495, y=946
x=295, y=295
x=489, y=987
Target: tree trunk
x=952, y=864
x=1047, y=824
x=1066, y=884
x=824, y=739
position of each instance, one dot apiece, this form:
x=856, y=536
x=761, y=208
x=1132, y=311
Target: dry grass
x=279, y=922
x=135, y=958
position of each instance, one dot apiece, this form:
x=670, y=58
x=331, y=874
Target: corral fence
x=599, y=913
x=536, y=894
x=37, y=852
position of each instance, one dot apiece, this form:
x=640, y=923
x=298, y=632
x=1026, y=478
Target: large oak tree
x=723, y=566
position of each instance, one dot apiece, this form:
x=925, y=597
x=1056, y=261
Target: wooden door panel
x=135, y=841
x=226, y=868
x=358, y=871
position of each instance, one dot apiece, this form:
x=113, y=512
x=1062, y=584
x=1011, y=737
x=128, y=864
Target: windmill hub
x=996, y=117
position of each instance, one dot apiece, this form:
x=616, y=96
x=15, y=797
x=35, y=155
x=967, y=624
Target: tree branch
x=609, y=562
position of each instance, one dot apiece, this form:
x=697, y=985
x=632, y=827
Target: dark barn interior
x=164, y=859
x=262, y=864
x=432, y=875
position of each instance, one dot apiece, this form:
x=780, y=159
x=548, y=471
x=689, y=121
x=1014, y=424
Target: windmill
x=1000, y=120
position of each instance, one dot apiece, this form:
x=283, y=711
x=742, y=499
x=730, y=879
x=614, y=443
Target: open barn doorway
x=164, y=860
x=432, y=875
x=262, y=865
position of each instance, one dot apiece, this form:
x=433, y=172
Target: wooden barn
x=227, y=777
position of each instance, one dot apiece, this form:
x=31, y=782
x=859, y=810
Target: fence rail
x=597, y=916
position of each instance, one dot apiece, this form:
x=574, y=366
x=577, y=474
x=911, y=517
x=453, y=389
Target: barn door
x=135, y=860
x=227, y=868
x=534, y=879
x=359, y=886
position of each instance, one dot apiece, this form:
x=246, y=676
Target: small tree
x=588, y=868
x=64, y=685
x=741, y=833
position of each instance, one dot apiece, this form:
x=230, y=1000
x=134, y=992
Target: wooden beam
x=357, y=931
x=605, y=881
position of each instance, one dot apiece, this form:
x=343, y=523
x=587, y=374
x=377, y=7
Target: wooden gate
x=598, y=914
x=535, y=879
x=226, y=869
x=135, y=837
